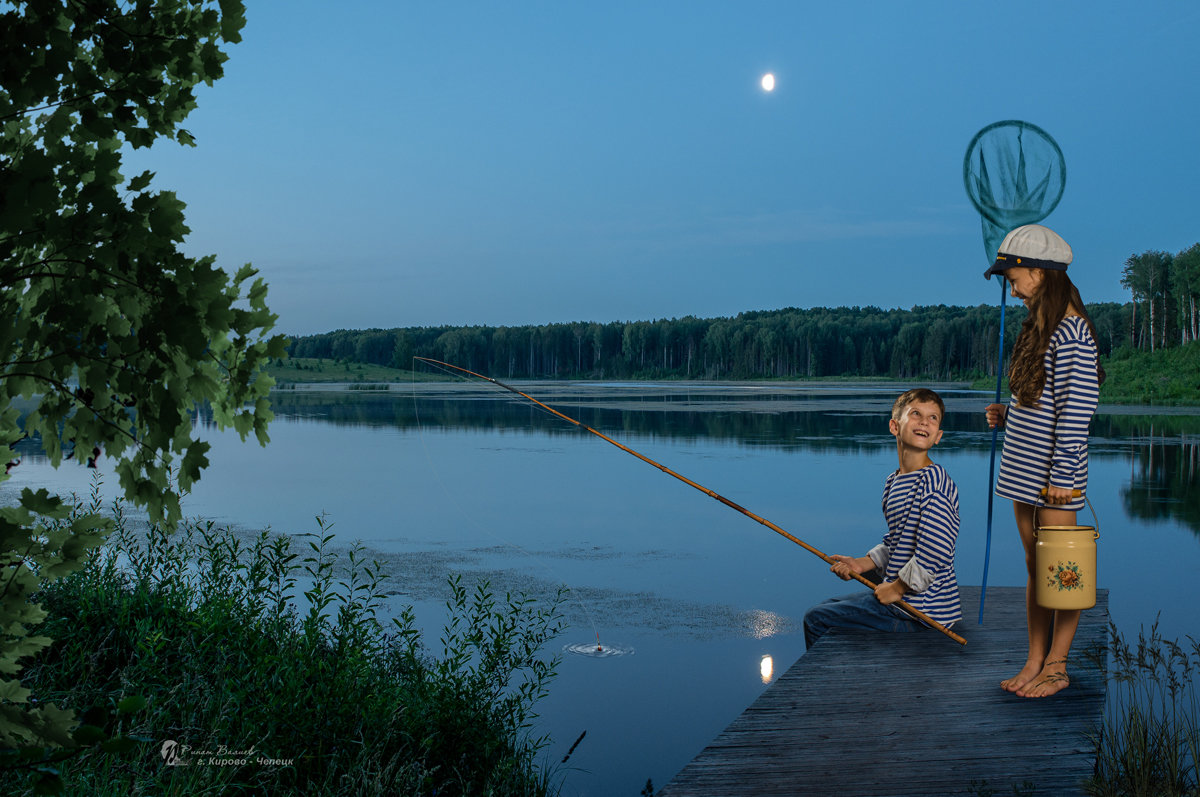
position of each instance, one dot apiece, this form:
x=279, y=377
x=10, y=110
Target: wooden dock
x=914, y=714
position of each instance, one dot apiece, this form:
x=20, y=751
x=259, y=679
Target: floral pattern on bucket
x=1065, y=576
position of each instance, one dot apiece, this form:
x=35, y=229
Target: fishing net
x=1015, y=174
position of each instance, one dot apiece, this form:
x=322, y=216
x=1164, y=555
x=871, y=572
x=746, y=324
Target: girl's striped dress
x=921, y=509
x=1047, y=443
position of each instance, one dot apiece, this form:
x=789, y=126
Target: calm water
x=460, y=478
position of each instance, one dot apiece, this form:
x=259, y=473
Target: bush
x=252, y=687
x=1167, y=376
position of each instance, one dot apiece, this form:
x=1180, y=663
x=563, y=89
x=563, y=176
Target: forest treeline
x=936, y=342
x=1165, y=289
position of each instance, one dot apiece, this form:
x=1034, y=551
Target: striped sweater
x=1048, y=443
x=921, y=510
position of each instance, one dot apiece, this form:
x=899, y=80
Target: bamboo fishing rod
x=917, y=613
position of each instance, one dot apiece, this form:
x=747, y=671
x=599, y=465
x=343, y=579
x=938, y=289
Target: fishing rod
x=917, y=613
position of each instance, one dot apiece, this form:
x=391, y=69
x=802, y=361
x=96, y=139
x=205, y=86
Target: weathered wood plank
x=913, y=714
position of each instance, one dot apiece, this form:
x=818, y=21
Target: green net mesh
x=1015, y=174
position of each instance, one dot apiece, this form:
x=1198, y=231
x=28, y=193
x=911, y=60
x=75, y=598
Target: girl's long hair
x=1026, y=372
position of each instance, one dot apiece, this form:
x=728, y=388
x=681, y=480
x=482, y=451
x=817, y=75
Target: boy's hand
x=995, y=415
x=843, y=566
x=890, y=592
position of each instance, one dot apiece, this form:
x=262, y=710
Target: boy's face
x=919, y=426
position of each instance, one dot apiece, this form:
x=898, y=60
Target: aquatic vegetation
x=267, y=667
x=1149, y=740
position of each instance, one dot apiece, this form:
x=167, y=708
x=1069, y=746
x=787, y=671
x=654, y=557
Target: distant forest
x=937, y=343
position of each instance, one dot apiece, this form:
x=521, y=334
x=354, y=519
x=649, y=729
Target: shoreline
x=616, y=393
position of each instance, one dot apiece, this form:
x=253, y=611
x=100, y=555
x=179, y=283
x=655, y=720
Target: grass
x=1166, y=377
x=1149, y=742
x=268, y=666
x=305, y=370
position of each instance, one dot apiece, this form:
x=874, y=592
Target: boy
x=916, y=557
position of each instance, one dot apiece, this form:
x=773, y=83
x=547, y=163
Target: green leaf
x=121, y=744
x=131, y=704
x=87, y=735
x=120, y=334
x=48, y=782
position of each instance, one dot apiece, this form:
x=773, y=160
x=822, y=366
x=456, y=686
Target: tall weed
x=266, y=668
x=1149, y=742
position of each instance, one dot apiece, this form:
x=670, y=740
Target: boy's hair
x=915, y=395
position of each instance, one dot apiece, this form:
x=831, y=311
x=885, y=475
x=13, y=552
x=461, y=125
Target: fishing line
x=934, y=624
x=596, y=650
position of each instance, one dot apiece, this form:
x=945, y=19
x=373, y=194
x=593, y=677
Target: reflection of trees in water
x=1163, y=481
x=753, y=423
x=1138, y=426
x=759, y=421
x=1162, y=449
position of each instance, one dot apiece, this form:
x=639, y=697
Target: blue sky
x=399, y=163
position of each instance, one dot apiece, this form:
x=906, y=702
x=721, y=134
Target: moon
x=768, y=82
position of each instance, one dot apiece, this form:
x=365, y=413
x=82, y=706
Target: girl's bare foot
x=1051, y=680
x=1030, y=671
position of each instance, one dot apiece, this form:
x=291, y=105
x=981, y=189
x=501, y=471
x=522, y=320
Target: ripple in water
x=598, y=651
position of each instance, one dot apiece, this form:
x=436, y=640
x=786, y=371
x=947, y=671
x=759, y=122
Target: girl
x=1055, y=378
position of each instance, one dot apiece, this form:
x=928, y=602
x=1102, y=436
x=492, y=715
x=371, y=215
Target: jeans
x=860, y=611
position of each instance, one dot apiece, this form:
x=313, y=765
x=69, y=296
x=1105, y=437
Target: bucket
x=1065, y=564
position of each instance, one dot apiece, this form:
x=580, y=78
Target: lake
x=705, y=603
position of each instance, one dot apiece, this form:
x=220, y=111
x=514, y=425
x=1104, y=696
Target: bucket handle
x=1074, y=494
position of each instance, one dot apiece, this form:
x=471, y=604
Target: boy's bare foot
x=1030, y=671
x=1051, y=680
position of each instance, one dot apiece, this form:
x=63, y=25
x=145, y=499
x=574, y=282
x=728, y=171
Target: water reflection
x=779, y=420
x=1163, y=480
x=766, y=668
x=762, y=625
x=1162, y=448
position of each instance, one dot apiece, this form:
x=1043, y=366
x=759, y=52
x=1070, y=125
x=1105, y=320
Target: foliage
x=1147, y=276
x=1167, y=376
x=276, y=647
x=307, y=370
x=111, y=335
x=1169, y=286
x=1149, y=742
x=1185, y=278
x=1162, y=377
x=936, y=343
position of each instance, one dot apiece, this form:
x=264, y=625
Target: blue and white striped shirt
x=1047, y=443
x=921, y=509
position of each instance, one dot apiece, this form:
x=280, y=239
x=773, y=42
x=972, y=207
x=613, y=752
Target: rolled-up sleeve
x=880, y=556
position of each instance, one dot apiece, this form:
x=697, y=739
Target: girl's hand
x=996, y=414
x=1058, y=495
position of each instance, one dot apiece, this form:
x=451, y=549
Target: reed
x=267, y=668
x=1149, y=740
